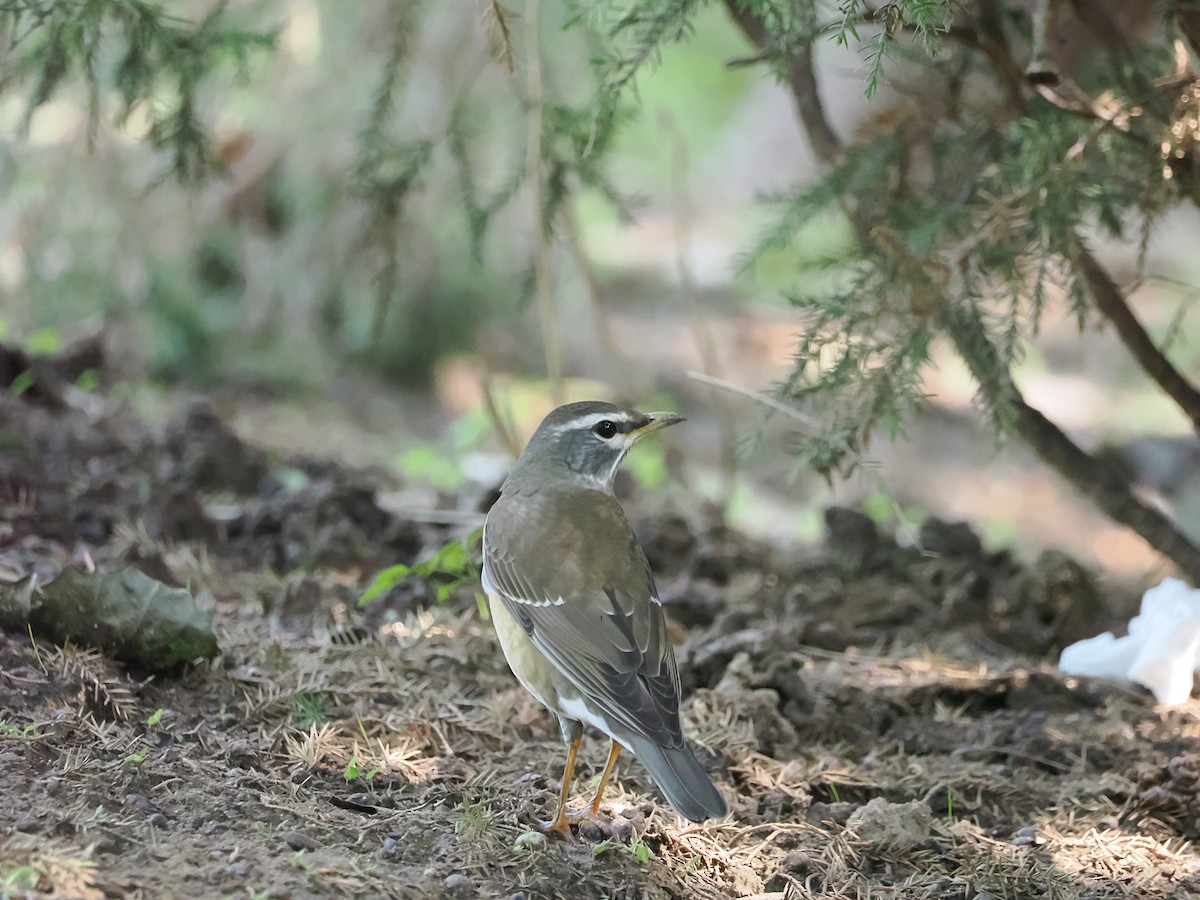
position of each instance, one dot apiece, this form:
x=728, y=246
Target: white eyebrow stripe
x=595, y=419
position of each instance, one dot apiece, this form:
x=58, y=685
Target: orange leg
x=561, y=821
x=613, y=753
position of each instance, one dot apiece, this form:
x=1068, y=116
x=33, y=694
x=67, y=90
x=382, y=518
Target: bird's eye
x=605, y=429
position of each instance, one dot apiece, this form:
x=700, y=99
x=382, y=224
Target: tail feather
x=681, y=778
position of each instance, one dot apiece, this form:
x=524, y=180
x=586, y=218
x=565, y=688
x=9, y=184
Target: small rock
x=950, y=538
x=891, y=826
x=459, y=885
x=797, y=862
x=237, y=869
x=298, y=841
x=1023, y=837
x=142, y=804
x=622, y=829
x=242, y=754
x=158, y=820
x=390, y=844
x=590, y=830
x=530, y=840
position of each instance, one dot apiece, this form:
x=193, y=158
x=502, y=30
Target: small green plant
x=155, y=717
x=23, y=732
x=637, y=848
x=19, y=881
x=472, y=819
x=137, y=757
x=640, y=850
x=454, y=564
x=354, y=771
x=310, y=710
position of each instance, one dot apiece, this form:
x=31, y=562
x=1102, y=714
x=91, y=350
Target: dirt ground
x=883, y=722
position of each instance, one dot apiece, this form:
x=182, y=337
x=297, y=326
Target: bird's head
x=586, y=442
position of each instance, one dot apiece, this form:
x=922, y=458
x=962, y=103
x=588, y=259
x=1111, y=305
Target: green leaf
x=21, y=382
x=384, y=581
x=155, y=717
x=88, y=380
x=43, y=341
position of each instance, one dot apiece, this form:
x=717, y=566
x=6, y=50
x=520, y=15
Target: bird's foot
x=560, y=824
x=587, y=813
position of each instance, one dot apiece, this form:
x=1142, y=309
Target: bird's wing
x=603, y=630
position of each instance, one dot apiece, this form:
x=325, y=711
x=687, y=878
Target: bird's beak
x=658, y=421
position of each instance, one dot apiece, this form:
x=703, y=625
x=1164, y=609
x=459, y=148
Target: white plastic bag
x=1161, y=651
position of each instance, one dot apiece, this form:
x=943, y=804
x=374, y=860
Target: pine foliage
x=152, y=61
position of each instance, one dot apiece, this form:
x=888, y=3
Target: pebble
x=459, y=884
x=298, y=841
x=591, y=831
x=622, y=829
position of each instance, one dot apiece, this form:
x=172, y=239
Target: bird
x=575, y=609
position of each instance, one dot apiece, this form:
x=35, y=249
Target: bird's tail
x=681, y=778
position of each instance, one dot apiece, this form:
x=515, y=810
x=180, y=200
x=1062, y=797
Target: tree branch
x=1093, y=477
x=800, y=78
x=1111, y=303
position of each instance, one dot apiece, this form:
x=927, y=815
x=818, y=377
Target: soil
x=884, y=722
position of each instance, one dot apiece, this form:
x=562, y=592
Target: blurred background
x=358, y=281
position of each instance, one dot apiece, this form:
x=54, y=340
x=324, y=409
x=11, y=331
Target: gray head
x=585, y=442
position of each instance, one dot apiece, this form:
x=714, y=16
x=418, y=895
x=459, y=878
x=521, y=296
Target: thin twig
x=500, y=422
x=757, y=397
x=866, y=467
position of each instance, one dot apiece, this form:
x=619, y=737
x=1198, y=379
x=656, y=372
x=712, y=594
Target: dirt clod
x=896, y=827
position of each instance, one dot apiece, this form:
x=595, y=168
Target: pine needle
x=497, y=20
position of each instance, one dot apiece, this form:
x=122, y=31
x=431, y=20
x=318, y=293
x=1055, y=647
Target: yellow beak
x=658, y=421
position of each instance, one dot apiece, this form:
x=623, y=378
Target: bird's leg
x=561, y=821
x=594, y=809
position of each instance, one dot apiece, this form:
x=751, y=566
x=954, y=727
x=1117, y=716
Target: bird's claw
x=561, y=824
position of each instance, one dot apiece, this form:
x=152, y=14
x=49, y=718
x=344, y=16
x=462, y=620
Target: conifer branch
x=960, y=320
